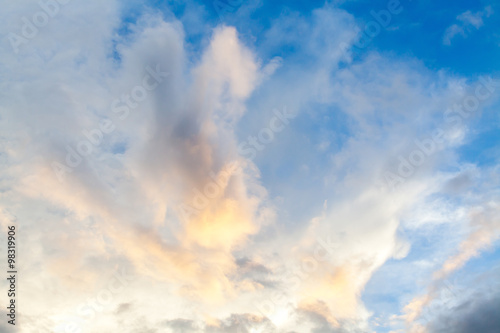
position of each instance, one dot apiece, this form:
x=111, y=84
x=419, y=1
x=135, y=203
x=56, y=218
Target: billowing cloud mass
x=171, y=172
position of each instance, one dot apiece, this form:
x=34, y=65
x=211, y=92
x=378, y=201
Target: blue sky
x=253, y=166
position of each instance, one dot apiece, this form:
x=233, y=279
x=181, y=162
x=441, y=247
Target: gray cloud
x=480, y=313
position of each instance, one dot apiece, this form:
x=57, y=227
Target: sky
x=251, y=166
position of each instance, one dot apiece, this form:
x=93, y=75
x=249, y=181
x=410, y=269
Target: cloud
x=478, y=314
x=207, y=238
x=468, y=21
x=177, y=138
x=484, y=231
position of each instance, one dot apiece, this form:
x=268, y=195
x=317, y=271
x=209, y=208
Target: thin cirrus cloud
x=467, y=22
x=166, y=226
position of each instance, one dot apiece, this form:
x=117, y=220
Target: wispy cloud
x=467, y=23
x=234, y=172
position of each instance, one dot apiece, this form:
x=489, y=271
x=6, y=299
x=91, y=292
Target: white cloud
x=468, y=21
x=206, y=272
